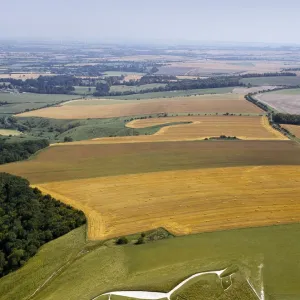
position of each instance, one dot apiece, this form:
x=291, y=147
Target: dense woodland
x=10, y=152
x=28, y=220
x=287, y=119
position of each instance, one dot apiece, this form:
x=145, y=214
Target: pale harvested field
x=246, y=128
x=286, y=101
x=294, y=129
x=204, y=67
x=184, y=202
x=245, y=91
x=132, y=77
x=9, y=132
x=231, y=103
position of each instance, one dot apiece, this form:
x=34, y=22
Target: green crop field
x=173, y=94
x=72, y=268
x=20, y=102
x=277, y=80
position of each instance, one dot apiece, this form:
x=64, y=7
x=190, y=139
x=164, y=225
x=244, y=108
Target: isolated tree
x=122, y=241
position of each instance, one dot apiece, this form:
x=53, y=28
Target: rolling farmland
x=171, y=184
x=231, y=103
x=184, y=202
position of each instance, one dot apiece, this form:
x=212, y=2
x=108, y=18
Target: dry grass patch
x=231, y=103
x=185, y=202
x=10, y=132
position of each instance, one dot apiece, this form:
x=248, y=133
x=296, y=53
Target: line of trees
x=103, y=89
x=28, y=220
x=269, y=74
x=256, y=102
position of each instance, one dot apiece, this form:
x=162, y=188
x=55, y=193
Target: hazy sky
x=190, y=20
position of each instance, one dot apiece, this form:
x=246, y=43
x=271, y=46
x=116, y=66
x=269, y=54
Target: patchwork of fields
x=171, y=179
x=231, y=103
x=212, y=67
x=171, y=184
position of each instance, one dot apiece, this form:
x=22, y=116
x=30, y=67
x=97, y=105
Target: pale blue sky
x=189, y=20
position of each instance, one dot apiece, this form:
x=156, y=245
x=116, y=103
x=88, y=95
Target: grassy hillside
x=83, y=270
x=20, y=102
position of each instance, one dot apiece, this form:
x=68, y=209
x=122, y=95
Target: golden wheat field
x=184, y=202
x=200, y=127
x=231, y=103
x=294, y=129
x=187, y=187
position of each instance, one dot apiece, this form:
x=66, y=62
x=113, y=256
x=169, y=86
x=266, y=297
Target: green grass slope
x=71, y=268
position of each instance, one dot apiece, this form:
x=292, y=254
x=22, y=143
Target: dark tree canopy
x=28, y=220
x=287, y=119
x=10, y=152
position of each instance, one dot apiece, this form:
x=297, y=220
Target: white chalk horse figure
x=155, y=295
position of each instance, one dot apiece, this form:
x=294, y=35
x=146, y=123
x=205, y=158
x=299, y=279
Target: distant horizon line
x=142, y=41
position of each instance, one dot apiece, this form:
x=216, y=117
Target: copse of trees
x=28, y=220
x=286, y=119
x=10, y=152
x=212, y=82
